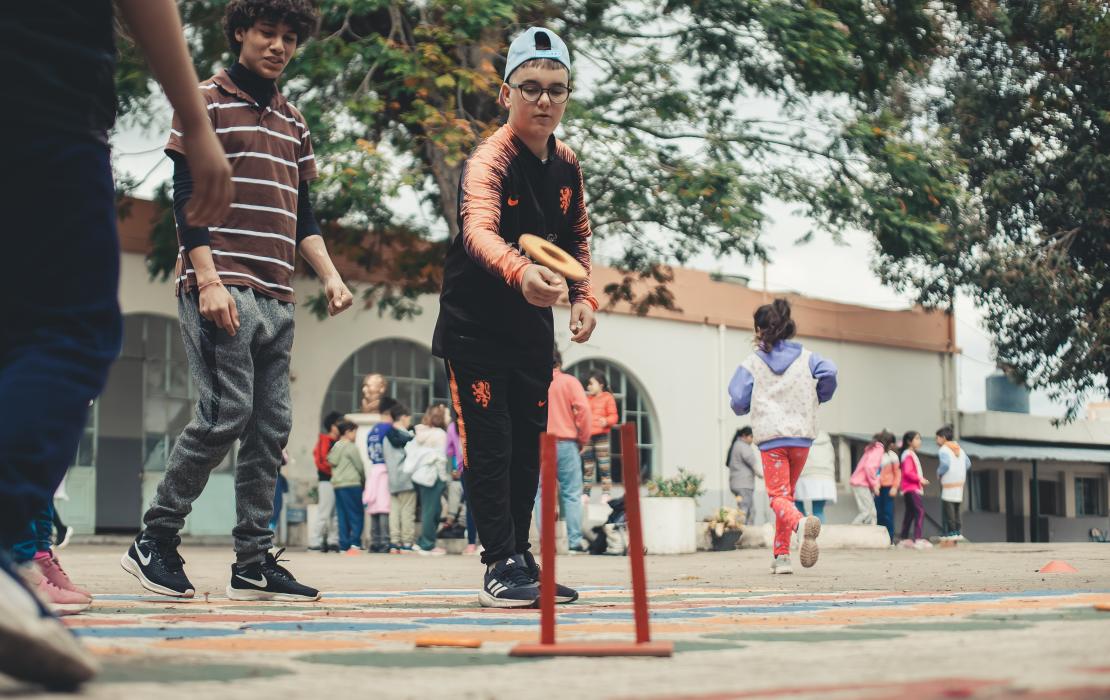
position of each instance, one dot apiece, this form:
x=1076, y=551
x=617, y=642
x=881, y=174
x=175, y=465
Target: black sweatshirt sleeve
x=306, y=218
x=191, y=236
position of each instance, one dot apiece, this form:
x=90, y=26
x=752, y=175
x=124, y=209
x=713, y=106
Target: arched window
x=413, y=376
x=632, y=406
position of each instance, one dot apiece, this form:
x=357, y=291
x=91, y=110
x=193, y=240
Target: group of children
x=406, y=467
x=881, y=474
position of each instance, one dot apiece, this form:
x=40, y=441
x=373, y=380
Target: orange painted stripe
x=458, y=413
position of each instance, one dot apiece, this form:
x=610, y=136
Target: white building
x=669, y=371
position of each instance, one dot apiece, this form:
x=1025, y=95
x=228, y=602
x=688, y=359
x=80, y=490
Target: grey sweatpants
x=242, y=382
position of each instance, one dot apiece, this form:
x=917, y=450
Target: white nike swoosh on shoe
x=261, y=583
x=145, y=561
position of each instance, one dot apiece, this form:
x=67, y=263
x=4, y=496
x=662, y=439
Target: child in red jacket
x=326, y=527
x=595, y=456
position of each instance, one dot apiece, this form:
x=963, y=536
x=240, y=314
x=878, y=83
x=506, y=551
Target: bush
x=684, y=484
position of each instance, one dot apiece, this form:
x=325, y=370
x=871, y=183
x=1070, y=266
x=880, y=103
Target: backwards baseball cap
x=536, y=42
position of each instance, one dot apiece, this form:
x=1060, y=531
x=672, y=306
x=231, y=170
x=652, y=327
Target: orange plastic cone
x=1057, y=566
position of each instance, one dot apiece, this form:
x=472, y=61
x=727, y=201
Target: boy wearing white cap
x=495, y=330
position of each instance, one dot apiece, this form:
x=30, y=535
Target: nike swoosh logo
x=145, y=561
x=541, y=404
x=513, y=202
x=261, y=583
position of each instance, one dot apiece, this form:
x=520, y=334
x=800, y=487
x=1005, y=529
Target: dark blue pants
x=61, y=329
x=348, y=506
x=37, y=537
x=884, y=507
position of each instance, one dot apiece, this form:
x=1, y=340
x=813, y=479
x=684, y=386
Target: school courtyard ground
x=976, y=621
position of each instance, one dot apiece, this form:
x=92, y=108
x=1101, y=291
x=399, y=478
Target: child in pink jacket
x=865, y=479
x=913, y=490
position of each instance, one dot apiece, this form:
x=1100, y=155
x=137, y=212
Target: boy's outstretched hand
x=339, y=297
x=583, y=320
x=542, y=287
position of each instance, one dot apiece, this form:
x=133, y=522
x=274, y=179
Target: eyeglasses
x=531, y=92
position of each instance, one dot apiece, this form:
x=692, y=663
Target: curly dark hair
x=773, y=323
x=242, y=14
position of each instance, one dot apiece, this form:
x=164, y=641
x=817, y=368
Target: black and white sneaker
x=268, y=580
x=508, y=585
x=158, y=566
x=563, y=594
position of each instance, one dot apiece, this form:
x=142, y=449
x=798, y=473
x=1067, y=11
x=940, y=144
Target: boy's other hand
x=218, y=306
x=212, y=188
x=583, y=321
x=339, y=297
x=542, y=287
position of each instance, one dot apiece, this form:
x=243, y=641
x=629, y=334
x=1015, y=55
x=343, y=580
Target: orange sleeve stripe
x=458, y=412
x=581, y=233
x=480, y=209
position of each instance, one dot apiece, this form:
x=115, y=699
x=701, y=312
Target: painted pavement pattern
x=216, y=639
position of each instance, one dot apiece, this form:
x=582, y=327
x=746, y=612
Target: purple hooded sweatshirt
x=782, y=355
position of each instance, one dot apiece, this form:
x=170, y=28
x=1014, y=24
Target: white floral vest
x=783, y=405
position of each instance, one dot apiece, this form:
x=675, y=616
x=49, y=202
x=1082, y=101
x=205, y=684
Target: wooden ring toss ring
x=552, y=257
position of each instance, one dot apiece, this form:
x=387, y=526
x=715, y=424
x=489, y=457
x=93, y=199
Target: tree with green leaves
x=1025, y=113
x=398, y=93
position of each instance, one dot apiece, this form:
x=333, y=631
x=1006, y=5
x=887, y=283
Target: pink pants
x=781, y=468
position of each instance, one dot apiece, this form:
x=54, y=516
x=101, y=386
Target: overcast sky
x=822, y=268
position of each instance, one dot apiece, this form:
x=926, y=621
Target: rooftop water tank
x=1004, y=395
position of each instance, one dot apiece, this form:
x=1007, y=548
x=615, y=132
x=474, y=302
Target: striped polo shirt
x=270, y=154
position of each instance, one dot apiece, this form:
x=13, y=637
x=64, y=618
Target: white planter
x=670, y=525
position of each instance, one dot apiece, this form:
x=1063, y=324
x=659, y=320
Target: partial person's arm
x=945, y=462
x=740, y=391
x=156, y=27
x=216, y=303
x=611, y=416
x=398, y=438
x=824, y=371
x=315, y=252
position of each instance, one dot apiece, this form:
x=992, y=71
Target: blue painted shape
x=333, y=626
x=627, y=615
x=155, y=632
x=762, y=609
x=487, y=621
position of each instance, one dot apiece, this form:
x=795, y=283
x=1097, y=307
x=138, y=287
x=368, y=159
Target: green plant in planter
x=726, y=520
x=683, y=485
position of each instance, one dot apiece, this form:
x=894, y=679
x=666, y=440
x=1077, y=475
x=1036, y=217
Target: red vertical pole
x=630, y=473
x=547, y=538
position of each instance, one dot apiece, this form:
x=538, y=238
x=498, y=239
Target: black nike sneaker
x=268, y=580
x=563, y=594
x=508, y=585
x=158, y=566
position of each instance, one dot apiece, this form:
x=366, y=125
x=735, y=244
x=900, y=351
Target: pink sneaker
x=585, y=499
x=471, y=549
x=59, y=600
x=52, y=569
